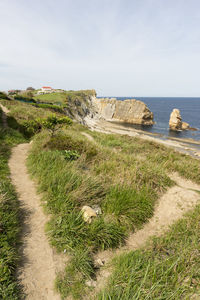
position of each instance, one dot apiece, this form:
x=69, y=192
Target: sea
x=162, y=107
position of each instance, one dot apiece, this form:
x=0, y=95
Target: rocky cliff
x=84, y=107
x=130, y=111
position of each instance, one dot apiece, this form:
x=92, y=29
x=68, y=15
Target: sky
x=117, y=47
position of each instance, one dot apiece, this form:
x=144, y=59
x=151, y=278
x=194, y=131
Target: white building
x=47, y=89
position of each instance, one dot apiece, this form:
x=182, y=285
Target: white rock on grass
x=88, y=213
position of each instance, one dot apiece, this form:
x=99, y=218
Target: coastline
x=186, y=146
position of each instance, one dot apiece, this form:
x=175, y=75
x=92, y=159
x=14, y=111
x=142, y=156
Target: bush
x=73, y=143
x=71, y=155
x=27, y=97
x=53, y=123
x=53, y=107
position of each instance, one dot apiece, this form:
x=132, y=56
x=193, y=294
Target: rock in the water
x=175, y=121
x=88, y=213
x=185, y=126
x=192, y=128
x=128, y=111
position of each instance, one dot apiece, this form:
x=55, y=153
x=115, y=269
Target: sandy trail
x=4, y=117
x=39, y=263
x=171, y=206
x=88, y=136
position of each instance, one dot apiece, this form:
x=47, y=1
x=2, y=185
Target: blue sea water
x=162, y=108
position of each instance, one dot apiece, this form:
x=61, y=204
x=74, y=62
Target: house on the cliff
x=46, y=89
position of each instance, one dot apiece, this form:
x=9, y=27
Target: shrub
x=25, y=97
x=53, y=123
x=31, y=127
x=72, y=142
x=71, y=154
x=54, y=107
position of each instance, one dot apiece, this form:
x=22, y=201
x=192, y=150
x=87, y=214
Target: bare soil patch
x=4, y=117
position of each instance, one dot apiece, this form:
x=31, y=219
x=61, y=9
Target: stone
x=128, y=111
x=91, y=283
x=88, y=213
x=99, y=263
x=175, y=121
x=192, y=128
x=97, y=209
x=185, y=126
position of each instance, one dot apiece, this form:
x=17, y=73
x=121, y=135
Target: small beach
x=182, y=145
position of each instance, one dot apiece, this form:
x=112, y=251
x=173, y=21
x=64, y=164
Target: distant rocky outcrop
x=86, y=108
x=175, y=122
x=129, y=111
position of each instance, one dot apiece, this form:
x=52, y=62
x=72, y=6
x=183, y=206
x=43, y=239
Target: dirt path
x=88, y=136
x=39, y=263
x=4, y=118
x=171, y=206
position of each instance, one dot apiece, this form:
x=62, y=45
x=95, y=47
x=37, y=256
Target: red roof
x=47, y=87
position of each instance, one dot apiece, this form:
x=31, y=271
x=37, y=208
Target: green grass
x=51, y=98
x=123, y=175
x=64, y=97
x=9, y=218
x=169, y=268
x=124, y=187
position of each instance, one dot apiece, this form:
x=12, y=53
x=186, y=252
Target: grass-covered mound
x=9, y=217
x=122, y=175
x=169, y=268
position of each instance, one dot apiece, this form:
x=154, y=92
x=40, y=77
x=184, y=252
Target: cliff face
x=130, y=111
x=84, y=107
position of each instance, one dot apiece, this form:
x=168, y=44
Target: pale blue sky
x=118, y=47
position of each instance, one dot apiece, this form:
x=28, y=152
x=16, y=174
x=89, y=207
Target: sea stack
x=175, y=121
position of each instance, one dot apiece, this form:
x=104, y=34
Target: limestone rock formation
x=88, y=213
x=175, y=121
x=185, y=126
x=129, y=111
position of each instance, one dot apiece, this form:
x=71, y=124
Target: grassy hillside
x=122, y=175
x=169, y=268
x=65, y=97
x=52, y=98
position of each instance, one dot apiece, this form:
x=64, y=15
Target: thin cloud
x=140, y=47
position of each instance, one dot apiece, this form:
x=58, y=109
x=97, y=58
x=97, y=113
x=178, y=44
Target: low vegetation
x=123, y=177
x=65, y=97
x=9, y=218
x=169, y=267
